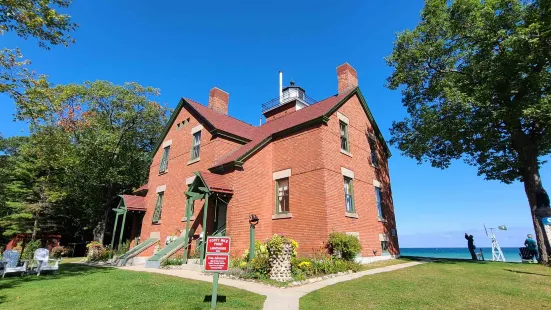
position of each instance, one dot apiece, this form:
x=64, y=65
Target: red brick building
x=312, y=168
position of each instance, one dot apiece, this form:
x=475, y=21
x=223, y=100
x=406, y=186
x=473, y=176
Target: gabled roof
x=220, y=124
x=254, y=138
x=316, y=113
x=215, y=182
x=134, y=203
x=142, y=188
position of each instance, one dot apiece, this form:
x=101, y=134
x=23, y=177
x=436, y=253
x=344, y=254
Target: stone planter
x=280, y=264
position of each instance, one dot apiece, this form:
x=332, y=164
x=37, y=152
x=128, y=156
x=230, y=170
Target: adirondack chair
x=10, y=261
x=44, y=263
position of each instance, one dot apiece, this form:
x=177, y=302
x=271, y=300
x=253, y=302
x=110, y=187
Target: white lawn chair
x=42, y=257
x=10, y=261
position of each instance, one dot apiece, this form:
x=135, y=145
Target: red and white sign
x=217, y=262
x=218, y=245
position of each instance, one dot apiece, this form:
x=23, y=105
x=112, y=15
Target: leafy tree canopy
x=476, y=81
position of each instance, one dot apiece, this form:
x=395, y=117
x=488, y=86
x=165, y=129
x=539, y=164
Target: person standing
x=530, y=243
x=471, y=246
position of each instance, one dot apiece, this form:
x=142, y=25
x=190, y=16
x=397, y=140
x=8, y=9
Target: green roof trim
x=213, y=130
x=324, y=119
x=363, y=102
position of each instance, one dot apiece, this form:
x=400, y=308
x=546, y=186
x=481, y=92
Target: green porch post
x=251, y=243
x=189, y=201
x=122, y=229
x=114, y=231
x=205, y=211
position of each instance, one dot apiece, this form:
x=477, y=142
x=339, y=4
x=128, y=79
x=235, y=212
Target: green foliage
x=88, y=144
x=124, y=247
x=59, y=251
x=343, y=245
x=30, y=247
x=173, y=261
x=38, y=19
x=475, y=79
x=97, y=252
x=275, y=244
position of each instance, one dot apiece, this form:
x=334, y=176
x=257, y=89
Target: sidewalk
x=276, y=298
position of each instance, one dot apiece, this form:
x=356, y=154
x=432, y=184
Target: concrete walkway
x=276, y=298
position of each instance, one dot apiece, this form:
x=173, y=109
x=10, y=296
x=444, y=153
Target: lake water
x=511, y=254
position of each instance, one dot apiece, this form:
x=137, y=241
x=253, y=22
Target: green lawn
x=83, y=287
x=446, y=284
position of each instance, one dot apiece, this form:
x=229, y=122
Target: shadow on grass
x=526, y=272
x=444, y=260
x=219, y=298
x=65, y=270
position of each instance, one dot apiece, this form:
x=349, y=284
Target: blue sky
x=239, y=46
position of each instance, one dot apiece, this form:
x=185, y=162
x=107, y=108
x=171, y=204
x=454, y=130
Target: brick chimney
x=347, y=77
x=218, y=100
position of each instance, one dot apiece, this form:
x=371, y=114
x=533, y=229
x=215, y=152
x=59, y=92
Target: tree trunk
x=99, y=230
x=537, y=198
x=35, y=227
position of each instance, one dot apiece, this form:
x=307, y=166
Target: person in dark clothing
x=470, y=244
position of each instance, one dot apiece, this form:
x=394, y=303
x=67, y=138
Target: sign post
x=217, y=260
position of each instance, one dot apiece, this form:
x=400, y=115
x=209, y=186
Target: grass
x=384, y=263
x=67, y=260
x=78, y=286
x=444, y=284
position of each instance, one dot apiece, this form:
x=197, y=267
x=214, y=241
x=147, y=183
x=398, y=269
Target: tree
x=106, y=134
x=38, y=19
x=28, y=187
x=476, y=81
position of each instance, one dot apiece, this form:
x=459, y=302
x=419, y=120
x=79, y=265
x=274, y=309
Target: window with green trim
x=196, y=149
x=373, y=150
x=158, y=207
x=349, y=195
x=164, y=162
x=282, y=195
x=384, y=247
x=378, y=197
x=344, y=136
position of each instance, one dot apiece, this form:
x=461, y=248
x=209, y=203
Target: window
x=373, y=151
x=164, y=162
x=349, y=195
x=384, y=247
x=158, y=207
x=195, y=150
x=344, y=136
x=378, y=196
x=282, y=193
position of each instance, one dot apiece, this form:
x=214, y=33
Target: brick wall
x=175, y=178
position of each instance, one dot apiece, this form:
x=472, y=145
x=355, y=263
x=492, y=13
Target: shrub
x=260, y=266
x=123, y=248
x=275, y=244
x=347, y=246
x=59, y=251
x=173, y=261
x=96, y=252
x=30, y=247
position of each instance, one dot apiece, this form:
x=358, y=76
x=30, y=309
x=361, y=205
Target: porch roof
x=134, y=203
x=215, y=182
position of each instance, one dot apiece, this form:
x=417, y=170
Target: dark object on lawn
x=471, y=246
x=525, y=254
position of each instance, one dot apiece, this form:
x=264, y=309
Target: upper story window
x=373, y=150
x=158, y=207
x=378, y=197
x=282, y=192
x=196, y=149
x=349, y=194
x=344, y=136
x=164, y=161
